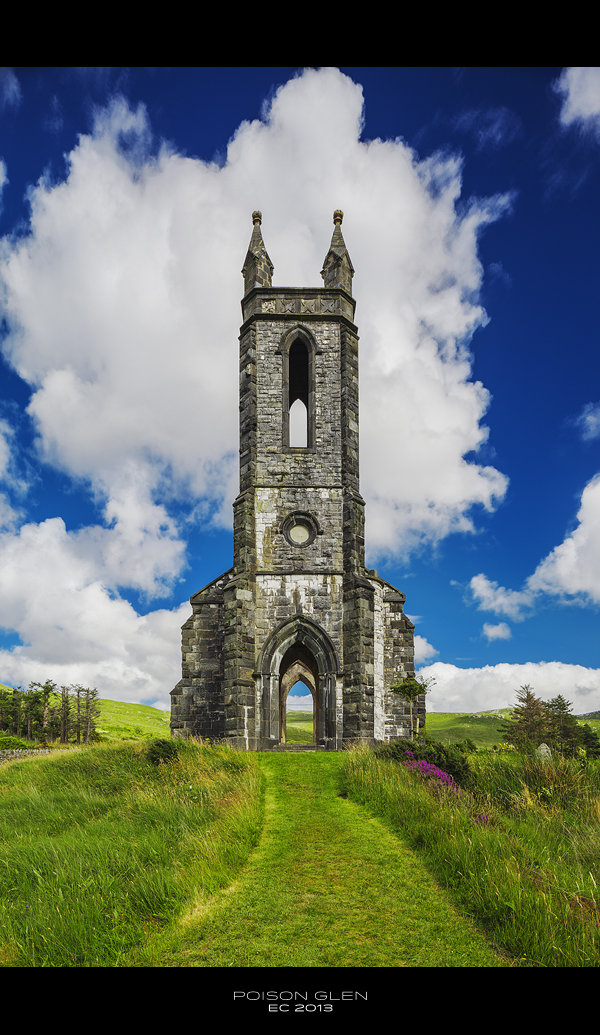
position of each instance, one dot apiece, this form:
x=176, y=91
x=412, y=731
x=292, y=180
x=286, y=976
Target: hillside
x=119, y=721
x=480, y=727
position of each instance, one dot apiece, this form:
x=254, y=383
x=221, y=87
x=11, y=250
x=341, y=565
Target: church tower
x=298, y=604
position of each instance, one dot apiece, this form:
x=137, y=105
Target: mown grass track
x=328, y=886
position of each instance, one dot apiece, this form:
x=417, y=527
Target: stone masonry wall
x=197, y=708
x=298, y=582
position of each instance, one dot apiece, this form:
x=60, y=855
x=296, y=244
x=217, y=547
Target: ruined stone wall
x=298, y=582
x=239, y=654
x=399, y=663
x=197, y=708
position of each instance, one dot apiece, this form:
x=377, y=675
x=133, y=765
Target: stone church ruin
x=298, y=603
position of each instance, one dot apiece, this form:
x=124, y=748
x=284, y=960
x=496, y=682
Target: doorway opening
x=299, y=715
x=300, y=651
x=298, y=696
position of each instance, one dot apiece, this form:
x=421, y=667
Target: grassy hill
x=480, y=727
x=119, y=721
x=449, y=727
x=131, y=722
x=123, y=722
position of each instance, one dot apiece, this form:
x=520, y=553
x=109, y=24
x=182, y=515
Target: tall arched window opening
x=298, y=351
x=298, y=394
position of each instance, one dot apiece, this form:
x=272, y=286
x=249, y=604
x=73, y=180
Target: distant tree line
x=46, y=712
x=534, y=722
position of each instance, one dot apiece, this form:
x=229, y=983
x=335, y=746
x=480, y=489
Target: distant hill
x=119, y=721
x=480, y=727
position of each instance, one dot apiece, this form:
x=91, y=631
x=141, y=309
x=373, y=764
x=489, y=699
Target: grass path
x=328, y=886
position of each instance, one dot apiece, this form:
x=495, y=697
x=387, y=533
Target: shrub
x=15, y=744
x=466, y=746
x=162, y=750
x=429, y=772
x=589, y=741
x=425, y=749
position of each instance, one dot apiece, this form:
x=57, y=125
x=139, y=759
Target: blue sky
x=472, y=218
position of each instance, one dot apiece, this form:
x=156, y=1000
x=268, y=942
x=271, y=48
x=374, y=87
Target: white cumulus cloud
x=573, y=567
x=580, y=90
x=73, y=629
x=423, y=650
x=570, y=572
x=122, y=304
x=495, y=686
x=496, y=632
x=501, y=601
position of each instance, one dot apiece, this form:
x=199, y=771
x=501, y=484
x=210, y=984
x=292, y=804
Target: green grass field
x=449, y=727
x=454, y=727
x=328, y=886
x=299, y=728
x=217, y=859
x=226, y=859
x=120, y=721
x=100, y=849
x=480, y=727
x=517, y=847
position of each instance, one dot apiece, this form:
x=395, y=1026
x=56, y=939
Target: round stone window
x=300, y=529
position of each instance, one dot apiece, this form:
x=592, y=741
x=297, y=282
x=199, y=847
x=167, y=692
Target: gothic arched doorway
x=298, y=651
x=297, y=666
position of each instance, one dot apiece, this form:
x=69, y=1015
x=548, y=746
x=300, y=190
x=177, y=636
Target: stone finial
x=337, y=269
x=258, y=268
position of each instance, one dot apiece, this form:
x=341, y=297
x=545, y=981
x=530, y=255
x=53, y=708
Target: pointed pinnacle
x=338, y=269
x=258, y=268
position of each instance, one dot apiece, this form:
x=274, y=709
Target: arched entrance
x=297, y=665
x=298, y=650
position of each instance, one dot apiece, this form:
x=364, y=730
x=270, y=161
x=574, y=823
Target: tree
x=45, y=690
x=32, y=713
x=65, y=712
x=92, y=710
x=68, y=712
x=589, y=741
x=7, y=708
x=527, y=725
x=411, y=689
x=562, y=730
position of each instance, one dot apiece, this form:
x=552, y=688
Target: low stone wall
x=9, y=756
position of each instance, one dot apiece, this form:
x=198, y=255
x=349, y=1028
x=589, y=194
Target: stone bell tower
x=298, y=603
